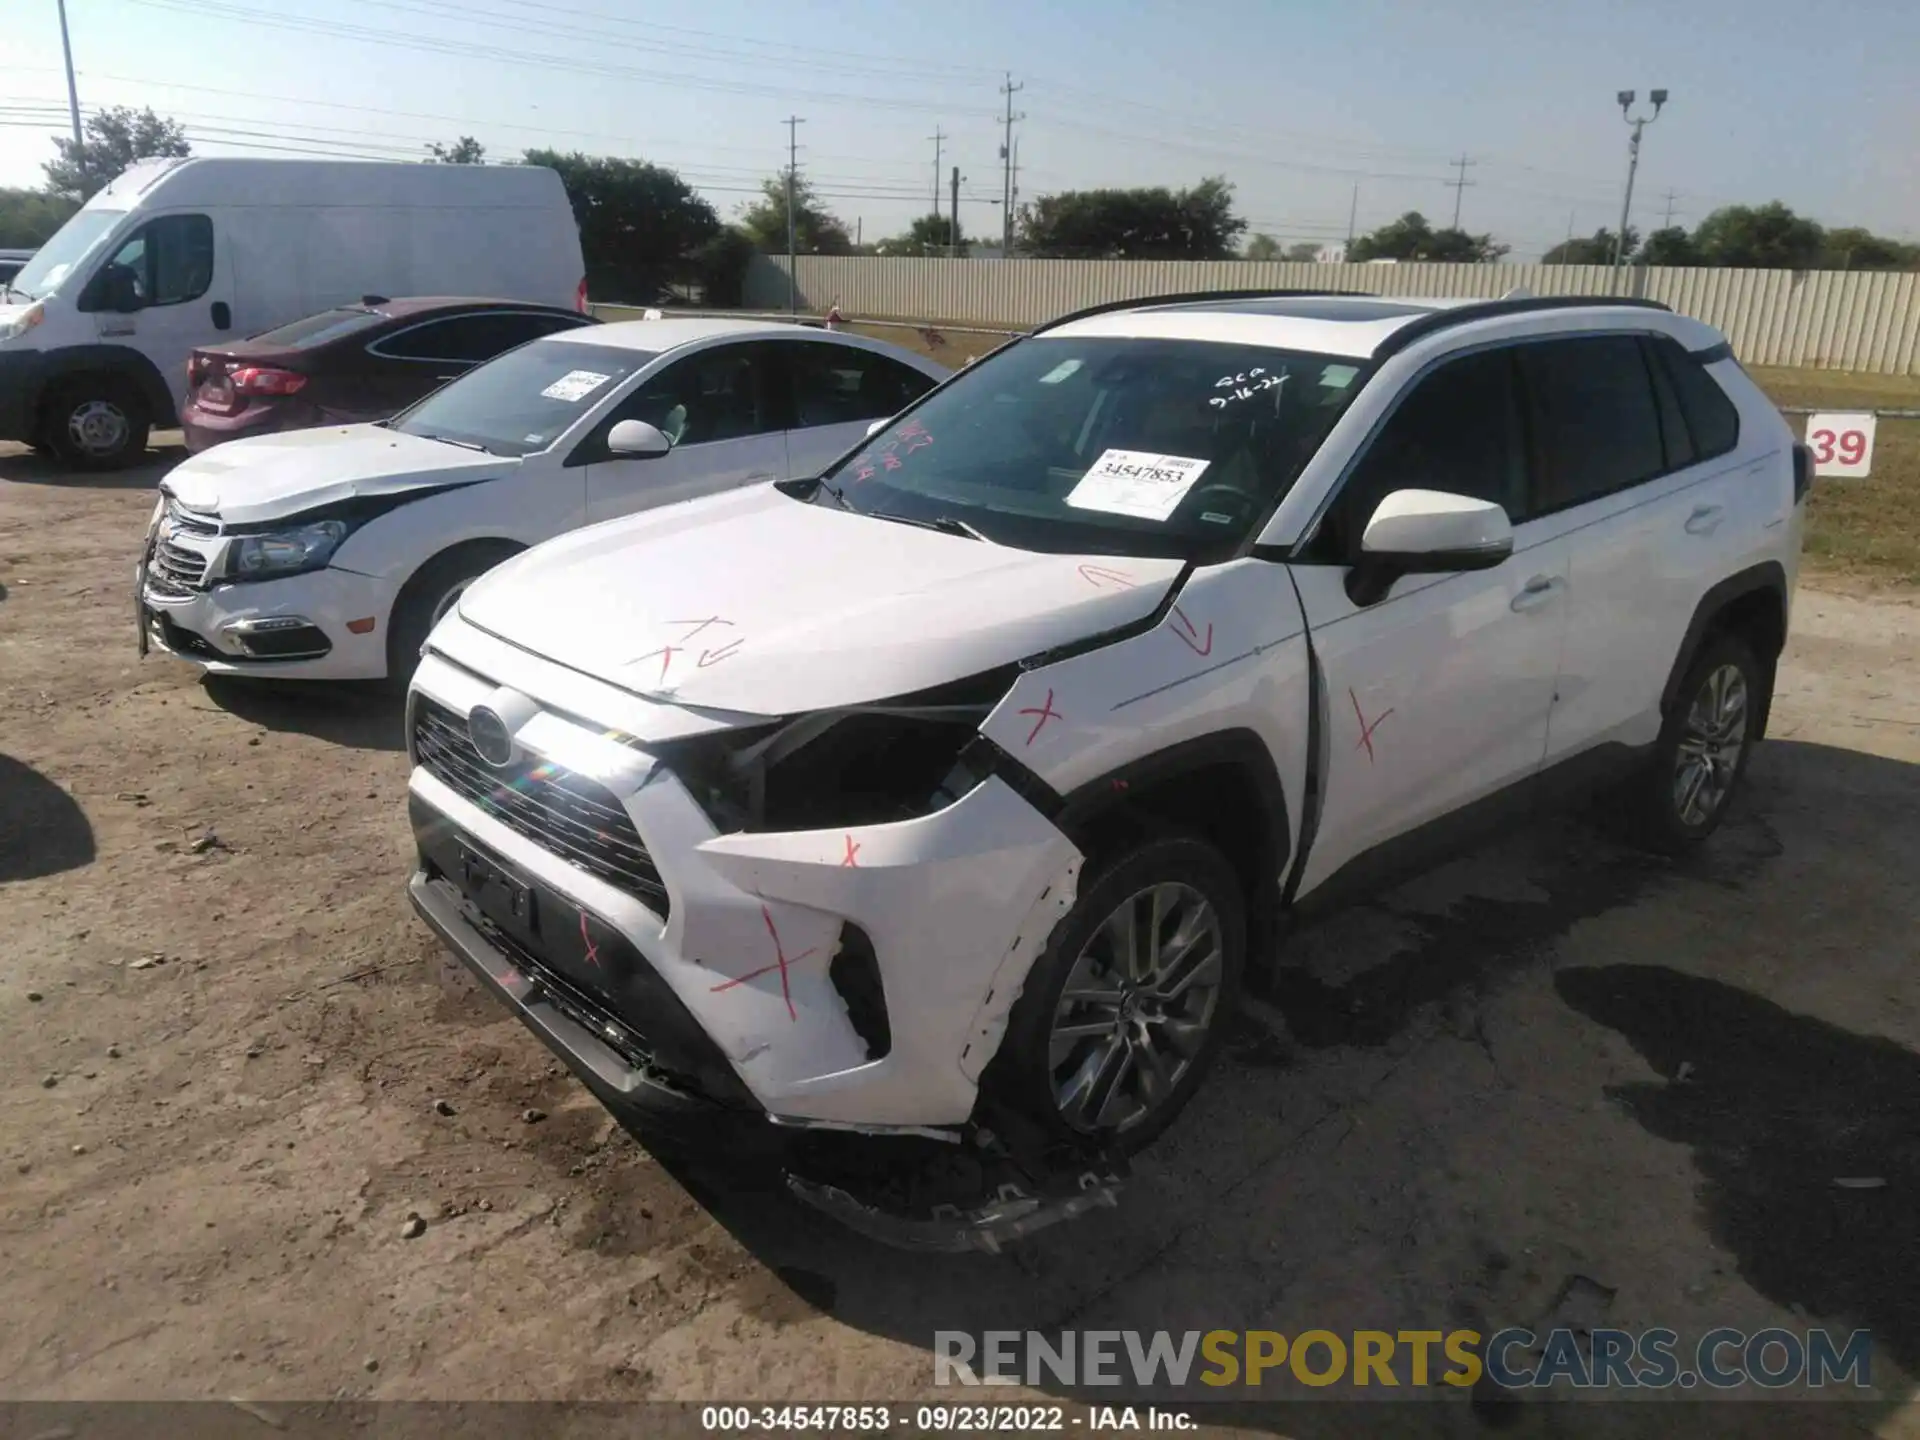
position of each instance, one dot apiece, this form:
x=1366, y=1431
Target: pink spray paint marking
x=1189, y=636
x=852, y=850
x=1103, y=577
x=1366, y=730
x=781, y=962
x=1046, y=712
x=714, y=657
x=593, y=950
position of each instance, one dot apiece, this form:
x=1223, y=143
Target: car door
x=1645, y=501
x=838, y=391
x=1435, y=695
x=726, y=418
x=163, y=291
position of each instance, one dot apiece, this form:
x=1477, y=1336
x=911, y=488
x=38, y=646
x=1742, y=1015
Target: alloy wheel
x=1710, y=746
x=1136, y=1010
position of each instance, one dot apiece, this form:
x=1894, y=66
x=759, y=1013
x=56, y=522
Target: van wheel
x=434, y=589
x=1682, y=795
x=97, y=423
x=1124, y=1010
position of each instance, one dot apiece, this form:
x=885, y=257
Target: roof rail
x=1425, y=325
x=1189, y=297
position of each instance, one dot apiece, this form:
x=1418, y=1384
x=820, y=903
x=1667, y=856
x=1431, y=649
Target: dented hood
x=272, y=477
x=754, y=601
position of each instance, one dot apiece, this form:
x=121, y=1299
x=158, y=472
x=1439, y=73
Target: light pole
x=1625, y=97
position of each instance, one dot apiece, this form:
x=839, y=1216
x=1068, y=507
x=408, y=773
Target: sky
x=1296, y=102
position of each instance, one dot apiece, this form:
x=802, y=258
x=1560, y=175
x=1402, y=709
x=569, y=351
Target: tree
x=1855, y=248
x=1412, y=238
x=29, y=217
x=1305, y=252
x=928, y=235
x=114, y=139
x=1263, y=247
x=464, y=151
x=1766, y=237
x=816, y=230
x=642, y=228
x=1143, y=224
x=1671, y=246
x=1595, y=249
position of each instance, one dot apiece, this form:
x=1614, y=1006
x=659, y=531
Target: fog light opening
x=854, y=973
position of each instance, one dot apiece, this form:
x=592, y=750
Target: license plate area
x=504, y=899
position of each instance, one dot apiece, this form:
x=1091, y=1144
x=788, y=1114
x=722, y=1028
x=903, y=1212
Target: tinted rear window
x=1594, y=416
x=1710, y=415
x=313, y=331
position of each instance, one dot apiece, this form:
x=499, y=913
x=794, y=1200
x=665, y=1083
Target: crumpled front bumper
x=955, y=906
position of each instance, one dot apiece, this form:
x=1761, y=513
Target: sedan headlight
x=286, y=552
x=15, y=326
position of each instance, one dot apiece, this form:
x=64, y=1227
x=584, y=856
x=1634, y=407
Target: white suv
x=943, y=795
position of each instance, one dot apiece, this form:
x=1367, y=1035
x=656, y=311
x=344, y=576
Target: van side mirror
x=1426, y=532
x=637, y=440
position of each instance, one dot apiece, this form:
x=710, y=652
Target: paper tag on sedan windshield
x=1132, y=482
x=575, y=385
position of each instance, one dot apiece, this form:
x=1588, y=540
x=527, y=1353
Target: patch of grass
x=1838, y=389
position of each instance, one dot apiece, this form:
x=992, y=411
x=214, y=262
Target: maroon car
x=354, y=363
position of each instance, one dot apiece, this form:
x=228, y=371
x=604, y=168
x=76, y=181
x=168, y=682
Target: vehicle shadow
x=36, y=467
x=1794, y=1103
x=43, y=830
x=360, y=718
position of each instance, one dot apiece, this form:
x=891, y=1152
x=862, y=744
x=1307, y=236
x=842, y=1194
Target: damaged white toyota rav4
x=947, y=795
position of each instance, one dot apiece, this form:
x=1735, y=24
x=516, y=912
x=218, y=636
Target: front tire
x=1123, y=1012
x=1682, y=795
x=434, y=589
x=96, y=423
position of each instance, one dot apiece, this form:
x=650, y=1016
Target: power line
x=1460, y=186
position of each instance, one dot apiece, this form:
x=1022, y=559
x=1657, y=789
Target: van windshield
x=524, y=400
x=54, y=261
x=1104, y=445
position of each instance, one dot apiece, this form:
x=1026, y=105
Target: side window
x=1595, y=421
x=1711, y=417
x=1674, y=434
x=469, y=339
x=1456, y=430
x=718, y=394
x=834, y=384
x=167, y=261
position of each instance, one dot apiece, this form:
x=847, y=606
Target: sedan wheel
x=1139, y=1003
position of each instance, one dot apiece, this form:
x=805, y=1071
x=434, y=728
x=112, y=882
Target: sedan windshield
x=523, y=400
x=1120, y=446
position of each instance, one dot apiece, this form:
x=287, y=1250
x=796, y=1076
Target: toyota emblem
x=490, y=736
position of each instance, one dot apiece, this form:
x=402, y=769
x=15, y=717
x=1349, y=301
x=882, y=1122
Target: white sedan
x=329, y=554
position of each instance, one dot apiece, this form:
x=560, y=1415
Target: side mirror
x=876, y=427
x=1420, y=532
x=637, y=440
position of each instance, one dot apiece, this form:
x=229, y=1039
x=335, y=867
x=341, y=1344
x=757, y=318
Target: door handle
x=1705, y=519
x=1537, y=592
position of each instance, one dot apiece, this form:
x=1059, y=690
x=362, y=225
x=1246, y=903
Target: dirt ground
x=226, y=1036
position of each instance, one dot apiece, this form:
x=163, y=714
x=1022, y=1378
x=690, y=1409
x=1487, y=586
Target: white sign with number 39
x=1842, y=444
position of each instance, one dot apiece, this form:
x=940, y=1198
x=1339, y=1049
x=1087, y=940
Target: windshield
x=525, y=399
x=1107, y=446
x=61, y=256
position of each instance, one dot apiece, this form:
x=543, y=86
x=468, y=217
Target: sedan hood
x=273, y=477
x=755, y=602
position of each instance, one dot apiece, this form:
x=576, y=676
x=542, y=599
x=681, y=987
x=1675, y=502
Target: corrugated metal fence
x=1829, y=319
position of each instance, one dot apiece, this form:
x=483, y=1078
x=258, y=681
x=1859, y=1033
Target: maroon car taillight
x=260, y=380
x=580, y=297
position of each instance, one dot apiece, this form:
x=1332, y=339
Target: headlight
x=20, y=324
x=286, y=552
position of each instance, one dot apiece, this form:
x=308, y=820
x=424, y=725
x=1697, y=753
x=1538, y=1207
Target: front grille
x=176, y=570
x=191, y=521
x=573, y=817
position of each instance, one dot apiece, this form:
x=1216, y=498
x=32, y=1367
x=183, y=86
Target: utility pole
x=1460, y=186
x=793, y=123
x=1667, y=223
x=1006, y=167
x=1353, y=211
x=953, y=220
x=73, y=93
x=937, y=137
x=1625, y=97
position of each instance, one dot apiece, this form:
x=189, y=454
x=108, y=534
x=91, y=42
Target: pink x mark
x=1366, y=730
x=1183, y=627
x=1046, y=712
x=593, y=950
x=781, y=962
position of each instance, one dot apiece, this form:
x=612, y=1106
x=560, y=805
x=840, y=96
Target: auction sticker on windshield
x=575, y=385
x=1132, y=482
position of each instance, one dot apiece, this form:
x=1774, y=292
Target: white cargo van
x=95, y=330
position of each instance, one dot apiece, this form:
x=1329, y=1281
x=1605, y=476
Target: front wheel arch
x=412, y=618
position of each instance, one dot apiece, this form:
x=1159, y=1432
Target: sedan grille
x=563, y=812
x=176, y=570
